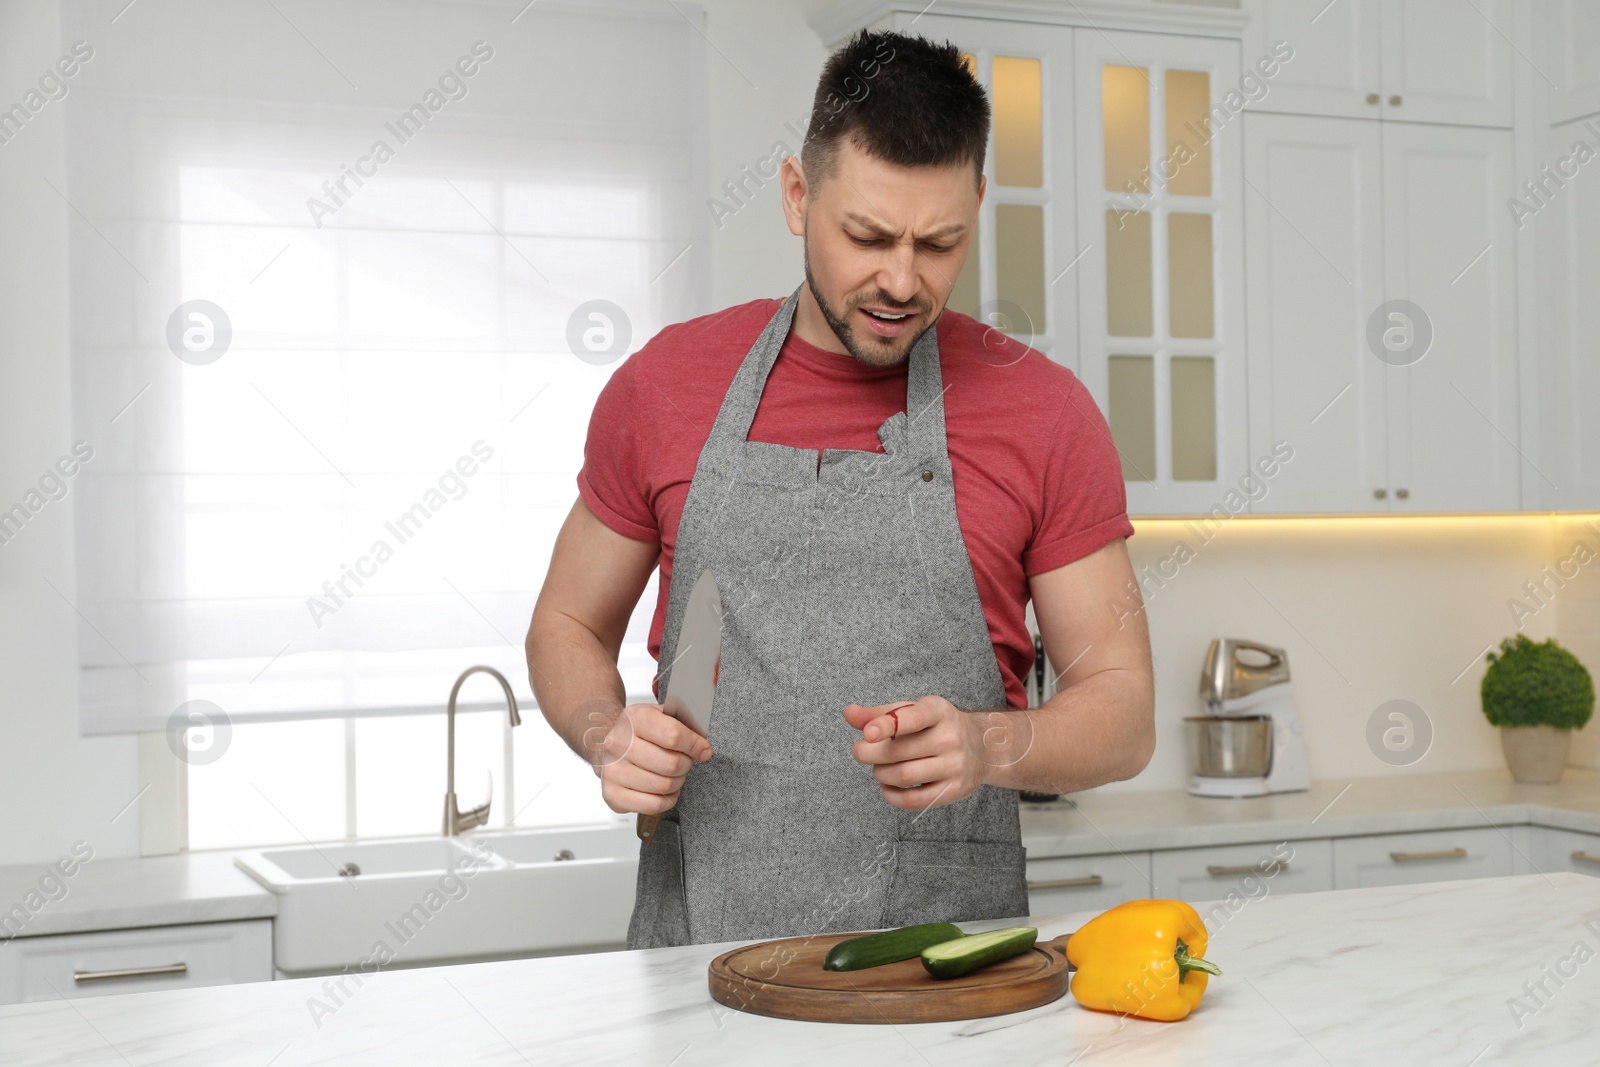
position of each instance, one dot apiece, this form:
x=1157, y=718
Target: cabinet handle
x=1372, y=98
x=1394, y=101
x=1087, y=882
x=1403, y=494
x=1442, y=854
x=1247, y=868
x=1583, y=857
x=1380, y=493
x=129, y=972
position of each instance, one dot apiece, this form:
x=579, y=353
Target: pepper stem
x=1187, y=963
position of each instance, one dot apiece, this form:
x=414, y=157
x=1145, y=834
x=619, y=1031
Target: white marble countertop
x=1129, y=822
x=114, y=894
x=1418, y=974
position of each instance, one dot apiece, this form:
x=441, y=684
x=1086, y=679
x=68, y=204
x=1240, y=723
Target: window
x=332, y=392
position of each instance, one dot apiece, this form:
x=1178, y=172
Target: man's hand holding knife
x=644, y=757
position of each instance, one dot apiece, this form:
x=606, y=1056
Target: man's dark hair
x=904, y=100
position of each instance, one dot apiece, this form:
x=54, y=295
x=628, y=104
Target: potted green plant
x=1537, y=693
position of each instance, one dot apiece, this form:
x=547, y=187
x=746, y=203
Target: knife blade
x=692, y=683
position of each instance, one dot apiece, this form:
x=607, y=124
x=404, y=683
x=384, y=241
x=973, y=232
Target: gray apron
x=844, y=581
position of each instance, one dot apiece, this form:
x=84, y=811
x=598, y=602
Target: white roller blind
x=358, y=497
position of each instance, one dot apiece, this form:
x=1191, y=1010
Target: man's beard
x=874, y=351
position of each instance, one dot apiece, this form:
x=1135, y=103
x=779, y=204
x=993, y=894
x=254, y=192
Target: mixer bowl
x=1229, y=746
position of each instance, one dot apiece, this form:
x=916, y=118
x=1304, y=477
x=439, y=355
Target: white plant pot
x=1536, y=754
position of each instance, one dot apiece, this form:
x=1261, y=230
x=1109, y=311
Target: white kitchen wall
x=1369, y=611
x=760, y=77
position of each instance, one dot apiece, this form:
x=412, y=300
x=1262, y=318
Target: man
x=878, y=487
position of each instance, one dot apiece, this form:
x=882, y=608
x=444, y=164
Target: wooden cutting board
x=785, y=978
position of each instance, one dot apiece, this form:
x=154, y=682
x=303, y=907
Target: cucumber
x=952, y=959
x=889, y=946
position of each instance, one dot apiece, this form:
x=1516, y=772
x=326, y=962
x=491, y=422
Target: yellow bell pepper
x=1141, y=958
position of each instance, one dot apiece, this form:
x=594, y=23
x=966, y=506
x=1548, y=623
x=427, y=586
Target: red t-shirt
x=1038, y=483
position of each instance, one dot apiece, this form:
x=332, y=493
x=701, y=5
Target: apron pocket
x=956, y=881
x=660, y=915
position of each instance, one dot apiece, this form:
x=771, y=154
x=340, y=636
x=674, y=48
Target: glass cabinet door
x=1160, y=292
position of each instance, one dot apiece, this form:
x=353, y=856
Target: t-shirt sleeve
x=612, y=480
x=1085, y=504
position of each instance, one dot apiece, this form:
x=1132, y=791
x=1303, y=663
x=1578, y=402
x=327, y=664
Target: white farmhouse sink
x=433, y=899
x=585, y=843
x=319, y=862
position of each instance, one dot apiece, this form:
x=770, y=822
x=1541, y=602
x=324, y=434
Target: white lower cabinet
x=1231, y=872
x=1238, y=874
x=1545, y=851
x=135, y=961
x=1086, y=883
x=1432, y=856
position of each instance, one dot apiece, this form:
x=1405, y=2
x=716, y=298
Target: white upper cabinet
x=1447, y=61
x=1557, y=211
x=1314, y=226
x=1565, y=230
x=1160, y=281
x=1383, y=314
x=1406, y=60
x=1450, y=250
x=1569, y=34
x=1336, y=52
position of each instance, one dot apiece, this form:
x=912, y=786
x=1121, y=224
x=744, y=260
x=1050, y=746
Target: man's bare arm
x=1099, y=727
x=595, y=578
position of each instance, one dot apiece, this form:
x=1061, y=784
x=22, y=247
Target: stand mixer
x=1249, y=742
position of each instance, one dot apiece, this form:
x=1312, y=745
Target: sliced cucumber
x=952, y=959
x=889, y=946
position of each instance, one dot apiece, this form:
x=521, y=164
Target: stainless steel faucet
x=456, y=820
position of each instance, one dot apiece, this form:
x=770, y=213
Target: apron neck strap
x=924, y=386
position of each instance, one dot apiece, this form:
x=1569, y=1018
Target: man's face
x=886, y=239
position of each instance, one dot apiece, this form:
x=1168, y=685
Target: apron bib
x=844, y=581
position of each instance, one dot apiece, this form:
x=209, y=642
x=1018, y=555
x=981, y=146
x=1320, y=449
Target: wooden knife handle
x=646, y=827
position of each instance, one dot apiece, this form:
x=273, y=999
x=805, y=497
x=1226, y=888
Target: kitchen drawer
x=1433, y=856
x=1561, y=850
x=156, y=957
x=1241, y=873
x=1086, y=883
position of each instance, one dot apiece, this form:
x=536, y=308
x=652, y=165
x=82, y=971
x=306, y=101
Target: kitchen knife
x=692, y=683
